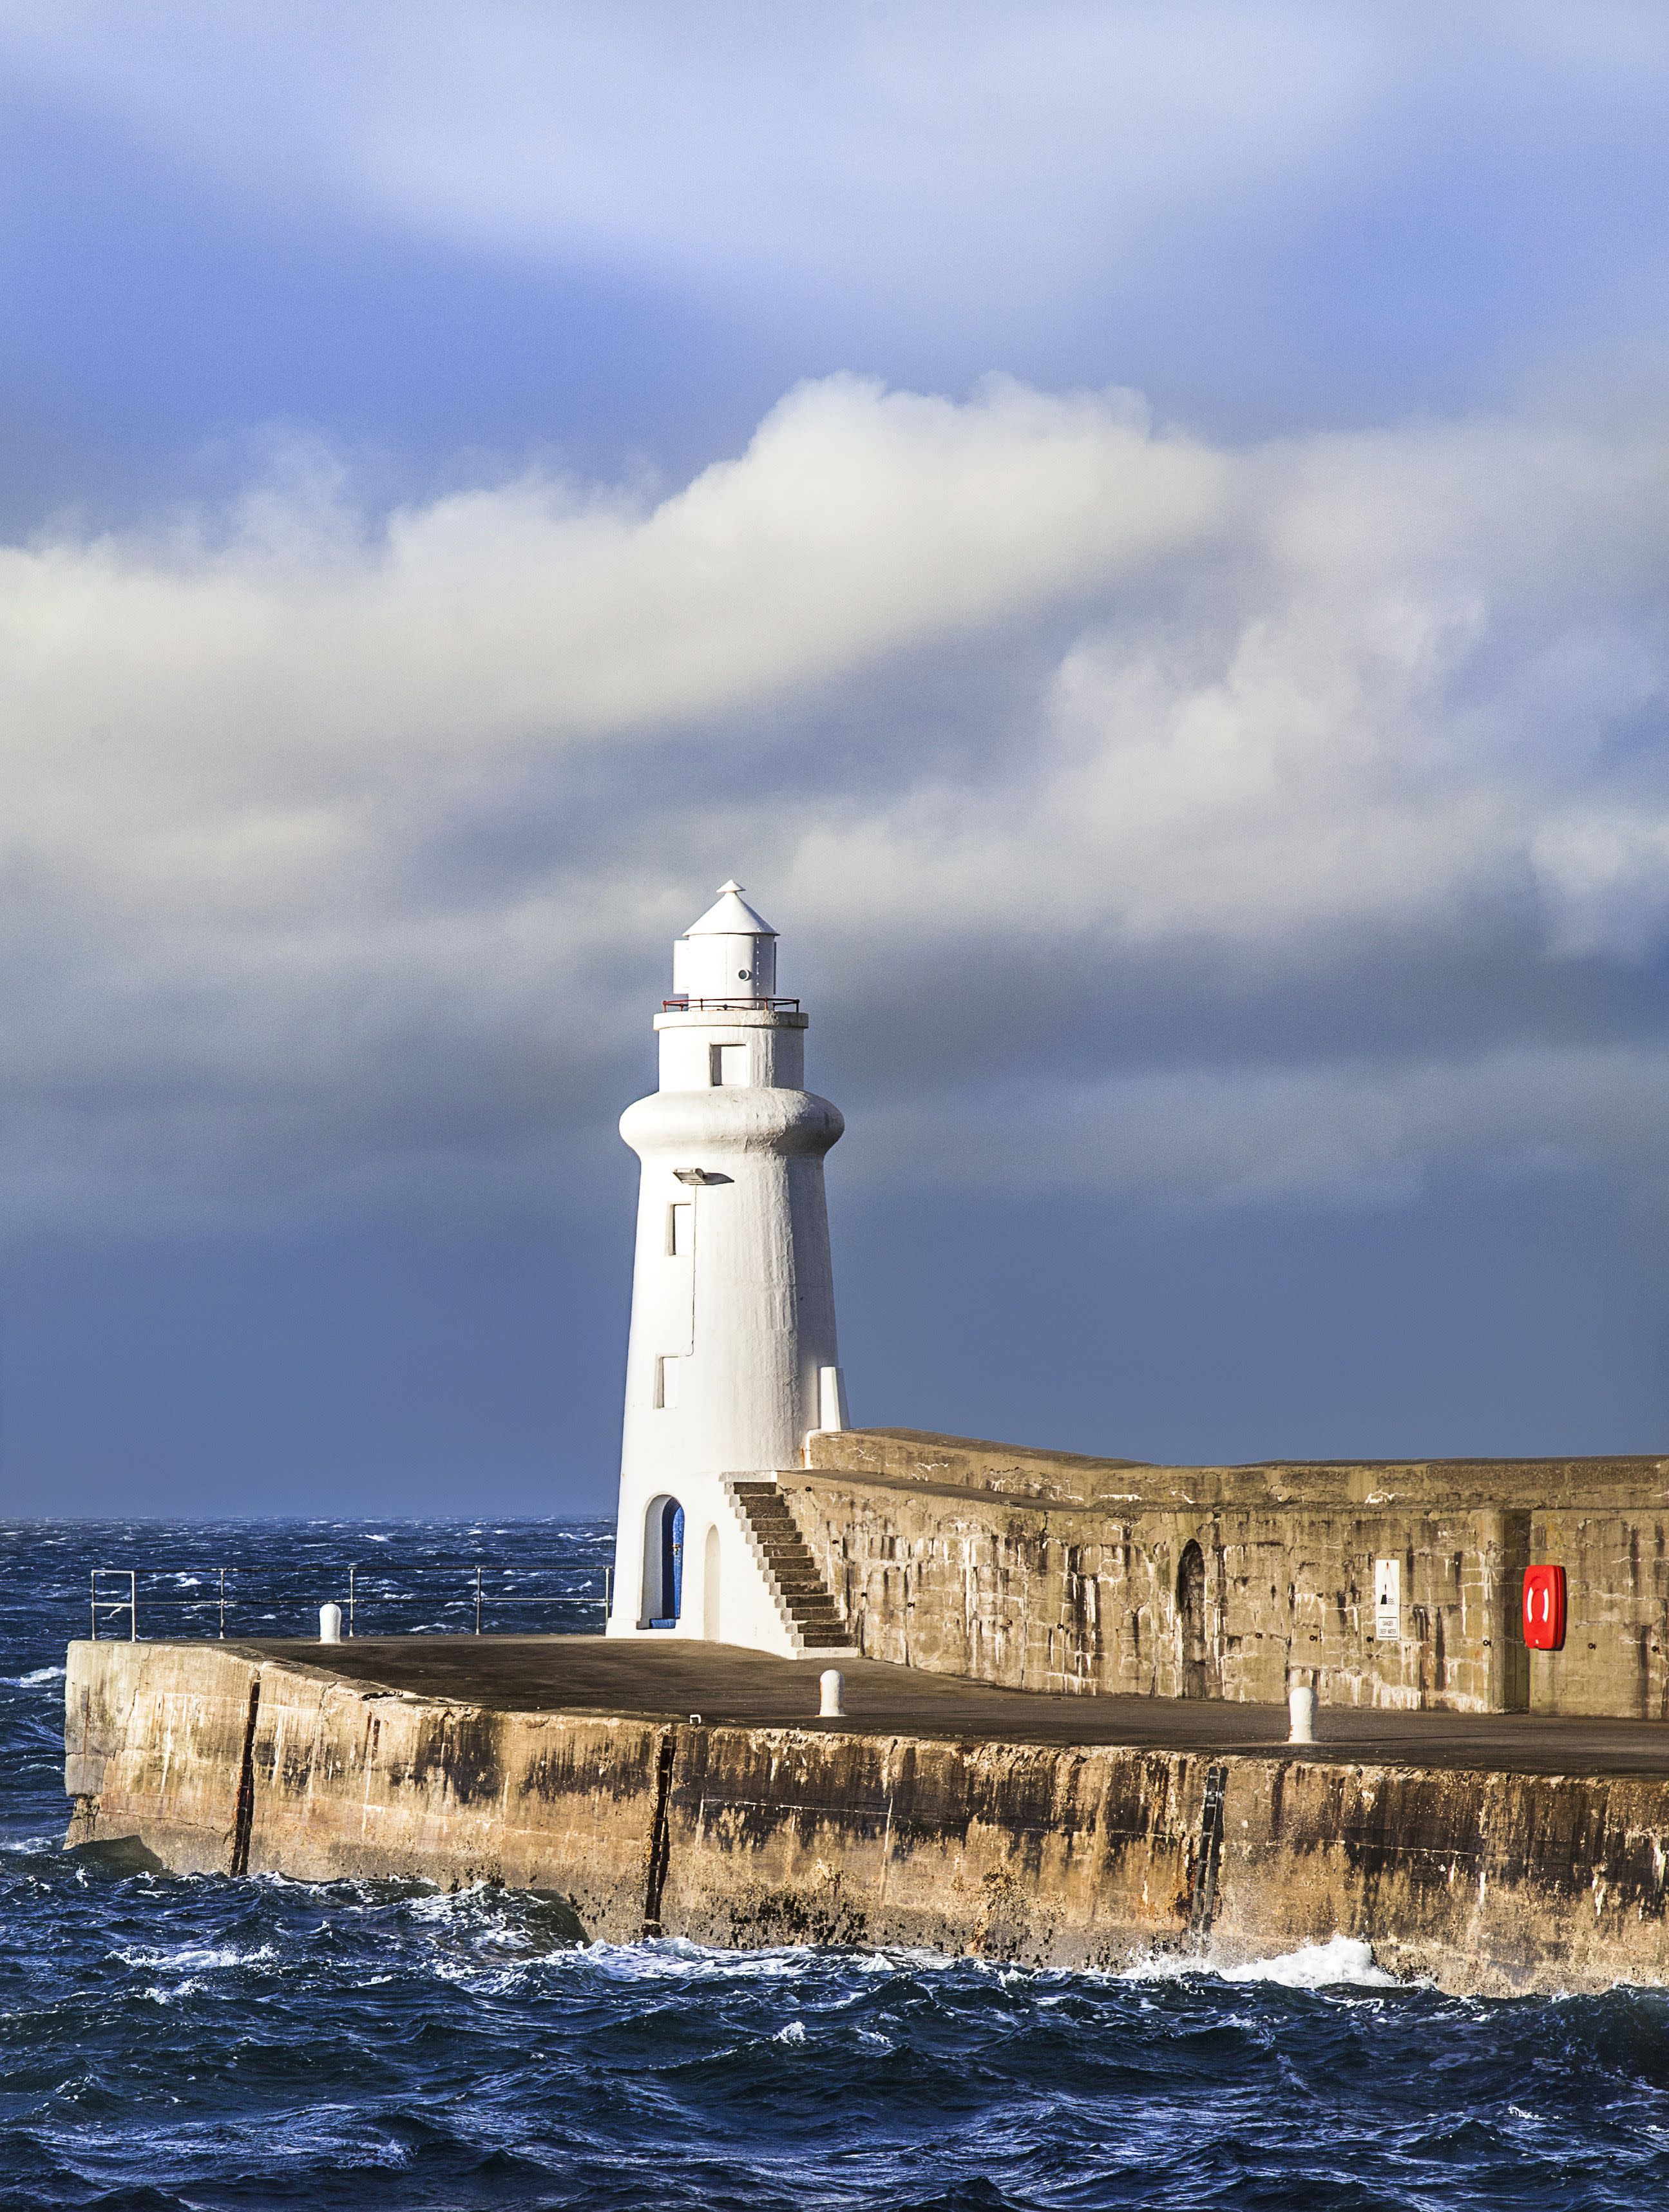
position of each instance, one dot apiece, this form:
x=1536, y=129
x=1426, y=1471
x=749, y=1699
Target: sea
x=170, y=2042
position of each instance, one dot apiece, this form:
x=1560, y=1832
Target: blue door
x=671, y=1565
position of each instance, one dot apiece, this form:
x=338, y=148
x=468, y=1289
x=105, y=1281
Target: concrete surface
x=731, y=1686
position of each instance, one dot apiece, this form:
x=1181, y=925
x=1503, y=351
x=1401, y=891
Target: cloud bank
x=1195, y=822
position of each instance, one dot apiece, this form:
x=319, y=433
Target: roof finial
x=730, y=915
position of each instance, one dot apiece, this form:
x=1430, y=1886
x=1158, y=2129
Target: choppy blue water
x=169, y=2043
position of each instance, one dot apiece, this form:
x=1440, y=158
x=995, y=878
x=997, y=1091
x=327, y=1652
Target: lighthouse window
x=667, y=1373
x=730, y=1064
x=680, y=1229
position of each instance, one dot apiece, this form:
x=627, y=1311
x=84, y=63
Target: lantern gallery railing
x=729, y=1006
x=458, y=1600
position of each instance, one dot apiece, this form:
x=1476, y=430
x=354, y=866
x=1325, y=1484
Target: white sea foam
x=672, y=1959
x=156, y=1995
x=794, y=2032
x=480, y=1979
x=478, y=1961
x=1342, y=1961
x=464, y=1905
x=33, y=1681
x=910, y=1958
x=191, y=1958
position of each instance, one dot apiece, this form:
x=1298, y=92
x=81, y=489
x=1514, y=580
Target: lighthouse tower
x=732, y=1356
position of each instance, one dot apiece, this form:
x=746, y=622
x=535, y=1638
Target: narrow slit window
x=667, y=1377
x=680, y=1229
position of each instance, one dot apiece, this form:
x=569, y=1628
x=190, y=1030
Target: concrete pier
x=1490, y=1853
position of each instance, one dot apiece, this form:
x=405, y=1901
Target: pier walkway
x=730, y=1686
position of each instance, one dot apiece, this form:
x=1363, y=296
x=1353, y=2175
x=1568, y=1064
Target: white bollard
x=329, y=1624
x=1301, y=1714
x=832, y=1683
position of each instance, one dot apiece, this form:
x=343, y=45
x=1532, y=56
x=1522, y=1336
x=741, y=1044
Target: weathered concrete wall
x=1068, y=1857
x=1061, y=1597
x=1044, y=1570
x=1616, y=1655
x=1625, y=1484
x=222, y=1764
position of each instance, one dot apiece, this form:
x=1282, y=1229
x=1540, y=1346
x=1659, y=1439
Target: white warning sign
x=1387, y=1601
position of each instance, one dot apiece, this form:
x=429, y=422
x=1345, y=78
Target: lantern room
x=729, y=955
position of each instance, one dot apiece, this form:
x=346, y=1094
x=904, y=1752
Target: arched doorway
x=1191, y=1619
x=710, y=1586
x=663, y=1563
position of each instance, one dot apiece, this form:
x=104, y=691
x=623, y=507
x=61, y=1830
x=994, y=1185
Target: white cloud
x=339, y=860
x=1387, y=695
x=858, y=522
x=1605, y=874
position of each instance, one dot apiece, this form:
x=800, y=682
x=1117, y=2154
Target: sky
x=1139, y=531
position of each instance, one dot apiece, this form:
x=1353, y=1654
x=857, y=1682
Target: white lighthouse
x=733, y=1358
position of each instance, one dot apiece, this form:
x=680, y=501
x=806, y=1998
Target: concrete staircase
x=803, y=1596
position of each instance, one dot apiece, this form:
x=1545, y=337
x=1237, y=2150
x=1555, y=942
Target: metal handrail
x=481, y=1599
x=726, y=1005
x=98, y=1602
x=477, y=1593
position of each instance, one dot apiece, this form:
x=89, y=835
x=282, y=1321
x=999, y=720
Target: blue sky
x=1139, y=532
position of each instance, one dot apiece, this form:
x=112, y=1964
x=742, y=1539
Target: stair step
x=805, y=1595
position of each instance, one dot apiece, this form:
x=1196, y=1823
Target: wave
x=1342, y=1961
x=192, y=1958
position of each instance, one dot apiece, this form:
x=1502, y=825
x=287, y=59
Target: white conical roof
x=732, y=917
